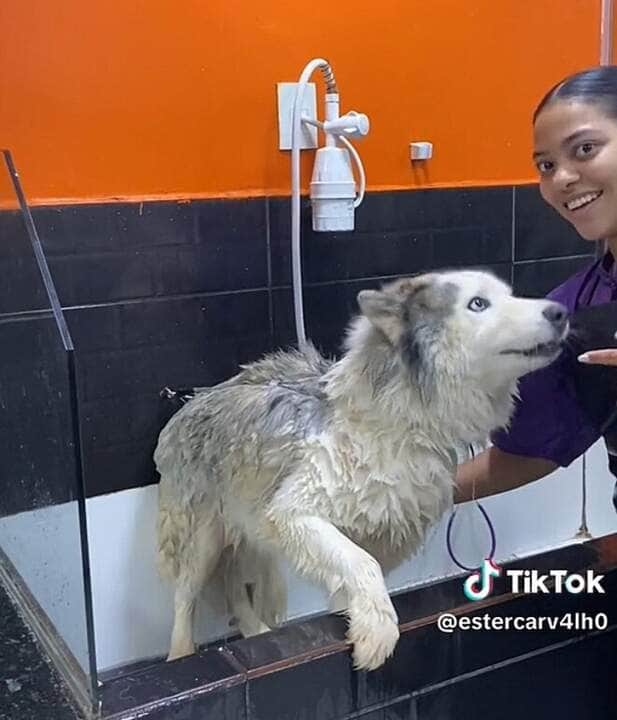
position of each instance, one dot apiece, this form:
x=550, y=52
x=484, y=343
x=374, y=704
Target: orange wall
x=143, y=98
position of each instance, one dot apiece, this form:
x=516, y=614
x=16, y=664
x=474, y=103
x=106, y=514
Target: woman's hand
x=599, y=357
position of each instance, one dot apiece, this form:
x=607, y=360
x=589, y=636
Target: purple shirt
x=548, y=421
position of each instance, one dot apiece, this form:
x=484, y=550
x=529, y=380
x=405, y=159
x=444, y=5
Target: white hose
x=359, y=165
x=296, y=258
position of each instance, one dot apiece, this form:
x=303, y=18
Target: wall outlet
x=285, y=95
x=421, y=150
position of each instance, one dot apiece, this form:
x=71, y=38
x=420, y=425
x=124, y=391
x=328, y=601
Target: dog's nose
x=557, y=315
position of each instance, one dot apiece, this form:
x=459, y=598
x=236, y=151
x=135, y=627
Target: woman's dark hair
x=597, y=86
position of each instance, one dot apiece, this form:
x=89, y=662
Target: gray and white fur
x=341, y=467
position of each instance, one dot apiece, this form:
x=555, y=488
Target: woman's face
x=575, y=151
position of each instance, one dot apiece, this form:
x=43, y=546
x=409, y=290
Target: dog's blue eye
x=478, y=304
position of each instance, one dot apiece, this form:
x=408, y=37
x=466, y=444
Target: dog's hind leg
x=319, y=550
x=199, y=558
x=269, y=597
x=245, y=574
x=249, y=623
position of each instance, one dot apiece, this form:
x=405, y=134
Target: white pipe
x=606, y=33
x=331, y=113
x=356, y=156
x=296, y=260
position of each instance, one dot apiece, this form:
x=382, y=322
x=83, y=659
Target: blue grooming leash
x=490, y=528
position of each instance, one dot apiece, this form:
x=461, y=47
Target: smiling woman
x=575, y=151
x=576, y=156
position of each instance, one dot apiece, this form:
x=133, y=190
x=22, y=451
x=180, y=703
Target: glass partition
x=43, y=540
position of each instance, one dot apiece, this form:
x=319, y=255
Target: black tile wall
x=102, y=253
x=36, y=465
x=289, y=642
x=179, y=294
x=322, y=689
x=223, y=704
x=21, y=287
x=224, y=699
x=399, y=711
x=426, y=657
x=540, y=232
x=179, y=342
x=538, y=277
x=399, y=233
x=327, y=309
x=571, y=682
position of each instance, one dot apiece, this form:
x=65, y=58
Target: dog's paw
x=373, y=631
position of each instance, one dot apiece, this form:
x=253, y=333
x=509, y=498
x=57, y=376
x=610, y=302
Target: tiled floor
x=28, y=688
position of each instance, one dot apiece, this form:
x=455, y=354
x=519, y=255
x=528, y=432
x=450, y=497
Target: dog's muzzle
x=540, y=350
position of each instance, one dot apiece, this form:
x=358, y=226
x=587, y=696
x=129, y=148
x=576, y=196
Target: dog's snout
x=557, y=315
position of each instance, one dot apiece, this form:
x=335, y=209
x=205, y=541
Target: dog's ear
x=376, y=304
x=392, y=308
x=384, y=310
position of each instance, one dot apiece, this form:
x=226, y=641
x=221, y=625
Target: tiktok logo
x=479, y=585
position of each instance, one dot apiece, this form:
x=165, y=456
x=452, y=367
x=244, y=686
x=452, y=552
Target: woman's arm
x=494, y=471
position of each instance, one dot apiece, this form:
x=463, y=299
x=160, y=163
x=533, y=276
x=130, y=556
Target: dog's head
x=466, y=324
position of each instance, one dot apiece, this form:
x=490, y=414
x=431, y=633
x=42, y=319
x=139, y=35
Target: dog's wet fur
x=341, y=467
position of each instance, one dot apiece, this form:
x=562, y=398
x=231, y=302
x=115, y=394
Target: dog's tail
x=190, y=542
x=171, y=526
x=187, y=530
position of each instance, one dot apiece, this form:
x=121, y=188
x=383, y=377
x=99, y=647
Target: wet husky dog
x=341, y=467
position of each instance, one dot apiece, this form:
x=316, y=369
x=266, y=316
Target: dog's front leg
x=317, y=549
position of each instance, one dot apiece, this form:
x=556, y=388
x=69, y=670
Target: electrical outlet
x=286, y=93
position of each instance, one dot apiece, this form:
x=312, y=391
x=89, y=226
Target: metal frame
x=606, y=33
